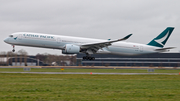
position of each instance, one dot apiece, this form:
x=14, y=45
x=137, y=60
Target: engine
x=71, y=49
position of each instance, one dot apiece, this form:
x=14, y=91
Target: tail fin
x=162, y=38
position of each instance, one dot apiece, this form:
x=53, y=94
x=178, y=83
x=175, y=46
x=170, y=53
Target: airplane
x=88, y=46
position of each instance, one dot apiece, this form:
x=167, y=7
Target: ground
x=78, y=87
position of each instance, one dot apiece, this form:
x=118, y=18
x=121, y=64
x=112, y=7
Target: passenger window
x=10, y=35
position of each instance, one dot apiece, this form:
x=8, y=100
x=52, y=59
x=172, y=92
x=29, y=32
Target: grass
x=48, y=87
x=91, y=70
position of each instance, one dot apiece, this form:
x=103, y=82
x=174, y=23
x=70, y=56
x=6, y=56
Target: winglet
x=125, y=38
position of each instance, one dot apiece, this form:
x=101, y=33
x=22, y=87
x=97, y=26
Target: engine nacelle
x=71, y=49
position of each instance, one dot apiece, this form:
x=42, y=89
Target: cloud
x=102, y=19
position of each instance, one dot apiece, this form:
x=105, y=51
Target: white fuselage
x=59, y=41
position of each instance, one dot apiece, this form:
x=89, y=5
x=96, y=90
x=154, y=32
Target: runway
x=91, y=73
x=89, y=67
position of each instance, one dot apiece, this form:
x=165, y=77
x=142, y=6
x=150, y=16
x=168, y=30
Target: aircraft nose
x=6, y=40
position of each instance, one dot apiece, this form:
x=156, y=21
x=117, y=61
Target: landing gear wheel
x=85, y=58
x=13, y=50
x=88, y=58
x=93, y=58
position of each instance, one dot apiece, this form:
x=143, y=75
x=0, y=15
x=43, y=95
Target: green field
x=78, y=87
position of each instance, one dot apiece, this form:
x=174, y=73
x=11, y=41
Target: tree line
x=46, y=58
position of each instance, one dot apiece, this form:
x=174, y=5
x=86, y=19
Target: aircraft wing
x=94, y=47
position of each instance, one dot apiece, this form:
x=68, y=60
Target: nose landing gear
x=13, y=49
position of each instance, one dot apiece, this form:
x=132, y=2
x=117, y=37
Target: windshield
x=10, y=35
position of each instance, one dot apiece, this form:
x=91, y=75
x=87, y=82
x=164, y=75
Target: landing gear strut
x=13, y=49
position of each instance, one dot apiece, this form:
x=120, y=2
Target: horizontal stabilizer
x=162, y=49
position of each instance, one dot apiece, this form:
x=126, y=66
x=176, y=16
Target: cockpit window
x=10, y=35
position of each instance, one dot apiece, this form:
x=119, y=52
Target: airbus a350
x=88, y=46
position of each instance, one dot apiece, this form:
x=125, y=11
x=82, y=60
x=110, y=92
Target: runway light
x=91, y=73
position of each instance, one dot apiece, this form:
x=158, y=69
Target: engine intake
x=71, y=49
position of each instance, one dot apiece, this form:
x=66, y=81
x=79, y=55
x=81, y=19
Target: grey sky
x=101, y=19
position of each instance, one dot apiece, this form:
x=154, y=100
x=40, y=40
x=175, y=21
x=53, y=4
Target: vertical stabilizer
x=162, y=38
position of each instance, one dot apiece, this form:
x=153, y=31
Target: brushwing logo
x=15, y=38
x=162, y=39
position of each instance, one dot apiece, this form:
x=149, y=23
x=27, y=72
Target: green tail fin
x=162, y=38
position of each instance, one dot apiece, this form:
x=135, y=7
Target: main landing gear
x=13, y=49
x=88, y=58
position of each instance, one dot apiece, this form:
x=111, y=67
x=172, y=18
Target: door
x=58, y=40
x=141, y=48
x=20, y=36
